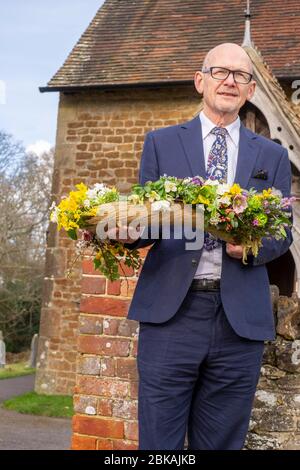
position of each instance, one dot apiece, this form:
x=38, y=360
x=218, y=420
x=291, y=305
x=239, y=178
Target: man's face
x=225, y=96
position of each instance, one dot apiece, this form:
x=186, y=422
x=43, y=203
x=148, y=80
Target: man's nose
x=230, y=80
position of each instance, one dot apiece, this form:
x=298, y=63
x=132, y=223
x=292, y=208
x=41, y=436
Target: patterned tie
x=216, y=170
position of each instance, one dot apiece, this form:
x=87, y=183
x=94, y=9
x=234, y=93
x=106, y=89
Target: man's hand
x=235, y=251
x=124, y=234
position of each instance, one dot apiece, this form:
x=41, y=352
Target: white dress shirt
x=210, y=265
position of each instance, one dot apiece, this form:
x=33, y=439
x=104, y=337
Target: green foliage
x=25, y=181
x=59, y=406
x=15, y=370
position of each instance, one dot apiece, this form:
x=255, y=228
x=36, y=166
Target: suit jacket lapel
x=191, y=138
x=247, y=155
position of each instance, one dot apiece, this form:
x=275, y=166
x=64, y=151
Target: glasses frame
x=210, y=70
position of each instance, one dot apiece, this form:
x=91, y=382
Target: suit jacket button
x=194, y=262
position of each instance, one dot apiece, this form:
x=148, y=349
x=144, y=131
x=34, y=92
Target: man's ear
x=251, y=90
x=198, y=81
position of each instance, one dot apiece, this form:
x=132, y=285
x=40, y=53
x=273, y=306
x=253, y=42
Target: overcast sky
x=35, y=38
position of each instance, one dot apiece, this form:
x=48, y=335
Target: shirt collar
x=233, y=129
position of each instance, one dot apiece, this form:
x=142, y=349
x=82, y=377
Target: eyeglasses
x=220, y=73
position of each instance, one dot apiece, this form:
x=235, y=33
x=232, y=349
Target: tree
x=25, y=181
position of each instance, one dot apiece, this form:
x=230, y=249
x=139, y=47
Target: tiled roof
x=274, y=87
x=154, y=41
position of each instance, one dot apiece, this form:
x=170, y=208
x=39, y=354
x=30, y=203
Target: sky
x=36, y=37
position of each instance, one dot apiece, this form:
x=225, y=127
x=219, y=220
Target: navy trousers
x=197, y=378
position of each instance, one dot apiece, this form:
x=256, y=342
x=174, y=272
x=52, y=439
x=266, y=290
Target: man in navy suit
x=203, y=314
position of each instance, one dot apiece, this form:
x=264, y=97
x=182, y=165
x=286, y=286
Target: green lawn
x=60, y=406
x=15, y=370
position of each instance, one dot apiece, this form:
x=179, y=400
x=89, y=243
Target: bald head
x=228, y=55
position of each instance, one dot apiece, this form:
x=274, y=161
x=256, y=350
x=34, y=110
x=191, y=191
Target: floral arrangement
x=231, y=213
x=73, y=214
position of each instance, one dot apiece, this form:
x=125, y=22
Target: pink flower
x=287, y=201
x=239, y=203
x=255, y=222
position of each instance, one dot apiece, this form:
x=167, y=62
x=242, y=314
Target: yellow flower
x=235, y=189
x=267, y=193
x=201, y=200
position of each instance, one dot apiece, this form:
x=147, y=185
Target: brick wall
x=99, y=138
x=106, y=388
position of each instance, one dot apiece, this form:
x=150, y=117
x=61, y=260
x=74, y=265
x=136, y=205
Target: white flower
x=163, y=206
x=211, y=182
x=153, y=196
x=87, y=203
x=187, y=180
x=134, y=198
x=99, y=189
x=223, y=188
x=225, y=200
x=214, y=220
x=170, y=186
x=91, y=193
x=54, y=215
x=53, y=206
x=276, y=192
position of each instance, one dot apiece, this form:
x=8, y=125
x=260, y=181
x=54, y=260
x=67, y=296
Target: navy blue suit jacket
x=169, y=268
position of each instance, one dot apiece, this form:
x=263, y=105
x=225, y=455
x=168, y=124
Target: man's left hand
x=235, y=251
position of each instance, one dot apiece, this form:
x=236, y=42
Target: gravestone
x=33, y=351
x=2, y=352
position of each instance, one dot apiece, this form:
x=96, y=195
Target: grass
x=15, y=370
x=59, y=406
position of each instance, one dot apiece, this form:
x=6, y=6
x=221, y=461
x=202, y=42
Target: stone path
x=27, y=432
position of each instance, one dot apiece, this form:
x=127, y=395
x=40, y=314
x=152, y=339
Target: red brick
x=88, y=267
x=125, y=270
x=126, y=409
x=124, y=445
x=120, y=327
x=89, y=365
x=83, y=442
x=93, y=285
x=90, y=325
x=82, y=402
x=104, y=306
x=126, y=368
x=94, y=426
x=134, y=348
x=104, y=407
x=134, y=387
x=102, y=387
x=108, y=366
x=113, y=288
x=105, y=346
x=131, y=430
x=128, y=287
x=104, y=444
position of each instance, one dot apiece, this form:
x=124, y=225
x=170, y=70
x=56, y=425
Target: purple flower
x=255, y=222
x=287, y=201
x=239, y=203
x=87, y=236
x=197, y=181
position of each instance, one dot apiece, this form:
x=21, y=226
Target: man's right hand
x=124, y=234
